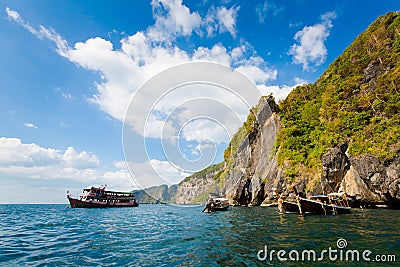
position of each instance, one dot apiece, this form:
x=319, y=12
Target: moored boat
x=218, y=204
x=334, y=203
x=99, y=197
x=286, y=206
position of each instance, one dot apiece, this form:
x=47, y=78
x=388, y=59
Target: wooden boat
x=218, y=204
x=99, y=197
x=286, y=206
x=290, y=207
x=334, y=203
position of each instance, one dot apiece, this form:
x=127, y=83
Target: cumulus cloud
x=310, y=50
x=258, y=75
x=81, y=160
x=280, y=92
x=221, y=20
x=31, y=161
x=145, y=53
x=14, y=152
x=172, y=19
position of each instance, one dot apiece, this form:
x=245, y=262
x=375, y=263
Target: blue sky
x=70, y=68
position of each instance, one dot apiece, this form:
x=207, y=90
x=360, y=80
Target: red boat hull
x=76, y=203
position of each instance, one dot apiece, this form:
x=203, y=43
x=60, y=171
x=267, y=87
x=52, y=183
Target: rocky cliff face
x=365, y=179
x=248, y=174
x=196, y=188
x=253, y=170
x=370, y=181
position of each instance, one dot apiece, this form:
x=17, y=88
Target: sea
x=168, y=235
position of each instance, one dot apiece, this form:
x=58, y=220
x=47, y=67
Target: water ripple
x=161, y=235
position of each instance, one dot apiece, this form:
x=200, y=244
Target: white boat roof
x=222, y=199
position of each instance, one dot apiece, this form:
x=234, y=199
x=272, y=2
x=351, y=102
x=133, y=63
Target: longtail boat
x=286, y=206
x=218, y=204
x=334, y=203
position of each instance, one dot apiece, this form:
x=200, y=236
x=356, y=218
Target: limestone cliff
x=196, y=188
x=250, y=172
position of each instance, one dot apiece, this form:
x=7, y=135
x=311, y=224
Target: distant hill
x=157, y=194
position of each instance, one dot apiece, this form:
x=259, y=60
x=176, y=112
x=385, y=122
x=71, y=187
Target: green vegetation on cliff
x=356, y=101
x=156, y=194
x=202, y=174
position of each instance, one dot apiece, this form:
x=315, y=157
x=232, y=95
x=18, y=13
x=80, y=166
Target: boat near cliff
x=99, y=197
x=286, y=206
x=218, y=204
x=334, y=203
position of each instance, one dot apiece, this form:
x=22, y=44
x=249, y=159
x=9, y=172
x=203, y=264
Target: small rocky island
x=341, y=133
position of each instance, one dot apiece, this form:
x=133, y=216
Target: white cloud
x=227, y=19
x=81, y=160
x=205, y=129
x=31, y=161
x=41, y=33
x=258, y=75
x=221, y=20
x=267, y=8
x=217, y=53
x=15, y=16
x=172, y=19
x=30, y=125
x=14, y=152
x=282, y=91
x=310, y=51
x=166, y=170
x=156, y=172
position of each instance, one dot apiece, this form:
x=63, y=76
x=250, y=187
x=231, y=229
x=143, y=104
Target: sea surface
x=164, y=235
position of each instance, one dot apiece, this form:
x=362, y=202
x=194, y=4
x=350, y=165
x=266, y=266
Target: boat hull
x=76, y=203
x=219, y=207
x=316, y=207
x=290, y=207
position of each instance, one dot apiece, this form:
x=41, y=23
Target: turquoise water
x=163, y=235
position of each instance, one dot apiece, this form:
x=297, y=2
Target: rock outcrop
x=365, y=179
x=196, y=188
x=251, y=177
x=335, y=165
x=371, y=182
